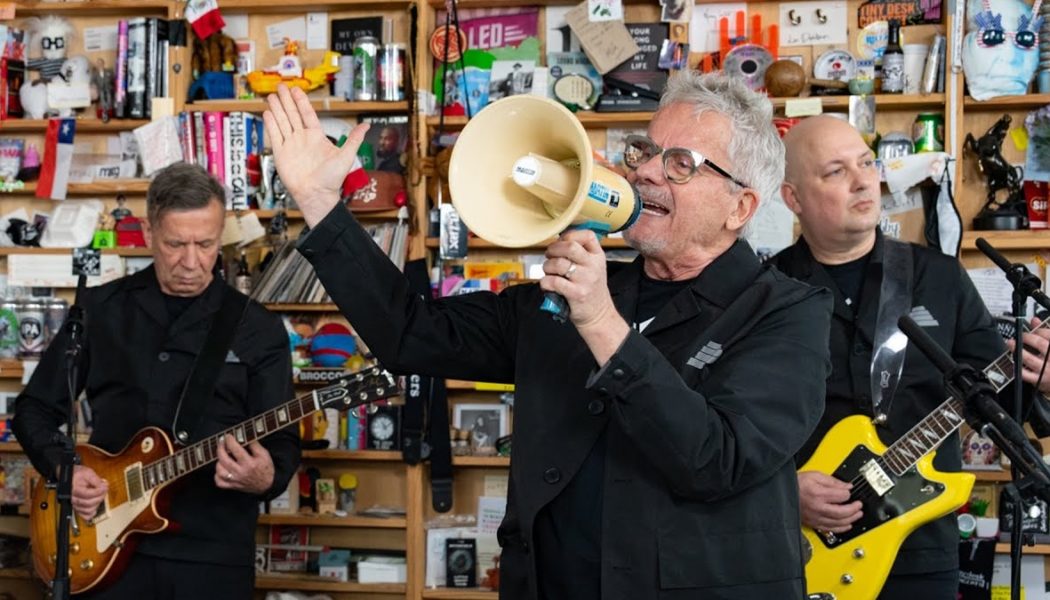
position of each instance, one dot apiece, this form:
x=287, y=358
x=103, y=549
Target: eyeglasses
x=58, y=43
x=992, y=33
x=680, y=164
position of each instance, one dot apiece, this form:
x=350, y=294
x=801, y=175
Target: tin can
x=392, y=73
x=366, y=50
x=344, y=79
x=54, y=316
x=927, y=132
x=32, y=335
x=8, y=328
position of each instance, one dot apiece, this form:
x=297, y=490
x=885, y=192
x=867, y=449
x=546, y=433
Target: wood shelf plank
x=1008, y=102
x=83, y=125
x=1031, y=239
x=998, y=475
x=287, y=307
x=328, y=105
x=284, y=6
x=10, y=447
x=459, y=594
x=103, y=188
x=481, y=461
x=474, y=242
x=362, y=455
x=9, y=250
x=11, y=368
x=1036, y=549
x=332, y=521
x=16, y=573
x=274, y=581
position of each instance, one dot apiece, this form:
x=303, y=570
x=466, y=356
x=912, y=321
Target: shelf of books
x=329, y=105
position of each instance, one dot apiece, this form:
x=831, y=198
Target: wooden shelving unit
x=1027, y=101
x=84, y=125
x=315, y=583
x=1033, y=239
x=282, y=307
x=1043, y=549
x=329, y=105
x=361, y=455
x=481, y=461
x=459, y=594
x=105, y=188
x=997, y=476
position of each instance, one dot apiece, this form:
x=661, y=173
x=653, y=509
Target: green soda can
x=366, y=51
x=927, y=132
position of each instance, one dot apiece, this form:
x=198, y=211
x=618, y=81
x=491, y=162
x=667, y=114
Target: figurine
x=103, y=89
x=1011, y=213
x=52, y=35
x=290, y=72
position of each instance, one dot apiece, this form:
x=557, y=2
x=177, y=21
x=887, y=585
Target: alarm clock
x=384, y=428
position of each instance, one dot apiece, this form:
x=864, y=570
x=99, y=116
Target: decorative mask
x=1000, y=49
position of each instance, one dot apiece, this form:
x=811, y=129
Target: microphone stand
x=1026, y=285
x=74, y=328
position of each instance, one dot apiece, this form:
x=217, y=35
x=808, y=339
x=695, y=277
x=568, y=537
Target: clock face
x=382, y=427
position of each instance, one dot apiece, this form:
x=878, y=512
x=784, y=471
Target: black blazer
x=136, y=361
x=704, y=412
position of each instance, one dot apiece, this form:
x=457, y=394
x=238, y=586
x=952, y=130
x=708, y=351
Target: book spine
x=236, y=160
x=137, y=68
x=120, y=93
x=199, y=139
x=213, y=140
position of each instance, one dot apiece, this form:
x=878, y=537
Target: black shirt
x=849, y=277
x=569, y=529
x=956, y=319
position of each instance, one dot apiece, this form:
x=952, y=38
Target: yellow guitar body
x=857, y=569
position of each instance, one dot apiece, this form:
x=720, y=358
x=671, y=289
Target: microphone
x=1016, y=273
x=74, y=325
x=966, y=383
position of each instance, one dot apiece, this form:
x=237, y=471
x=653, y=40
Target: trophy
x=1011, y=212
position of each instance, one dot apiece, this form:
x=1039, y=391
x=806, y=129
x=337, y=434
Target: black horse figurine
x=1011, y=213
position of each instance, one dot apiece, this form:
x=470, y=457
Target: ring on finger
x=228, y=476
x=570, y=271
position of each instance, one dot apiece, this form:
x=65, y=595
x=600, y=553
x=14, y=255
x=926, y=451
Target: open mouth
x=652, y=208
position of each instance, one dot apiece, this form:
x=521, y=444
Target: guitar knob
x=87, y=565
x=74, y=548
x=858, y=553
x=847, y=579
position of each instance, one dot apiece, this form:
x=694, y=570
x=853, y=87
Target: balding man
x=832, y=184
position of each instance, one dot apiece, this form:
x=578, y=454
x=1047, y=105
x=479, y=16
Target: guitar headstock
x=359, y=388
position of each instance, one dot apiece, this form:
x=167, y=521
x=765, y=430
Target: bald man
x=832, y=185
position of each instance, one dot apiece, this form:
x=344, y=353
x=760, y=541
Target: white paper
x=604, y=10
x=100, y=38
x=236, y=26
x=28, y=366
x=293, y=29
x=490, y=515
x=1032, y=579
x=495, y=485
x=996, y=291
x=772, y=229
x=559, y=37
x=435, y=573
x=56, y=270
x=703, y=27
x=317, y=31
x=810, y=31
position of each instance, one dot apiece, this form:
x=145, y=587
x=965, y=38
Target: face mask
x=999, y=51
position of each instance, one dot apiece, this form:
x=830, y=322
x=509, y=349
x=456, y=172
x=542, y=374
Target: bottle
x=893, y=61
x=243, y=280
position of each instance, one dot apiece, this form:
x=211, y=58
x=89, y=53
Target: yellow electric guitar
x=139, y=475
x=900, y=491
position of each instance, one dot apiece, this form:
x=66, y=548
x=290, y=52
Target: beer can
x=32, y=335
x=392, y=73
x=927, y=133
x=8, y=328
x=366, y=51
x=55, y=313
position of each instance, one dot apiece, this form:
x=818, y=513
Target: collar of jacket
x=718, y=284
x=146, y=290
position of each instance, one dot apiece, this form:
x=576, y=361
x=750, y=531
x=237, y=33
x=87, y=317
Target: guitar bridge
x=876, y=477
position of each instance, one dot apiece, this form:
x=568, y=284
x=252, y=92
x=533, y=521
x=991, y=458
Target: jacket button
x=308, y=252
x=617, y=373
x=524, y=546
x=552, y=475
x=596, y=407
x=163, y=357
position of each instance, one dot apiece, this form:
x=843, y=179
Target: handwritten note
x=607, y=43
x=703, y=27
x=820, y=23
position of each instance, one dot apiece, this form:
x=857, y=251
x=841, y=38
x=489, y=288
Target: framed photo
x=485, y=422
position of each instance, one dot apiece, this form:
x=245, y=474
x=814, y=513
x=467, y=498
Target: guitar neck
x=350, y=391
x=930, y=432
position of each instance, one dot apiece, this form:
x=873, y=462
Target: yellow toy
x=290, y=72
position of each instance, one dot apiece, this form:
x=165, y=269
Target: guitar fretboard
x=349, y=392
x=930, y=432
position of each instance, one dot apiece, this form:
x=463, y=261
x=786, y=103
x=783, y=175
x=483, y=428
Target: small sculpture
x=103, y=89
x=1012, y=212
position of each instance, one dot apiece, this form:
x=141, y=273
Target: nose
x=651, y=171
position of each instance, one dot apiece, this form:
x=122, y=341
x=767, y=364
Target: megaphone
x=522, y=171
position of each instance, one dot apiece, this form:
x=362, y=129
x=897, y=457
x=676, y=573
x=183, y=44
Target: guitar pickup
x=876, y=477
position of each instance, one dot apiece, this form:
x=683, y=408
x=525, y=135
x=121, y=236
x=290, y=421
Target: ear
x=746, y=206
x=147, y=232
x=787, y=192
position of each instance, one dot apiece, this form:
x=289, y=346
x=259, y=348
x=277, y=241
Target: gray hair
x=755, y=149
x=182, y=186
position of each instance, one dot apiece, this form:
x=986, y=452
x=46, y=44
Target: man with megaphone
x=654, y=431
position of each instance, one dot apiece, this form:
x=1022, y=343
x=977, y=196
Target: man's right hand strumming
x=824, y=499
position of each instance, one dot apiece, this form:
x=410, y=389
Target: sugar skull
x=1000, y=50
x=979, y=450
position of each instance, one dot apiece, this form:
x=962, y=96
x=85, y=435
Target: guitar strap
x=887, y=359
x=200, y=384
x=424, y=419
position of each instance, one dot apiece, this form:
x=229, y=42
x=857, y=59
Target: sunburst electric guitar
x=898, y=487
x=101, y=547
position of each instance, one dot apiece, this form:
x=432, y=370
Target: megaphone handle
x=557, y=305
